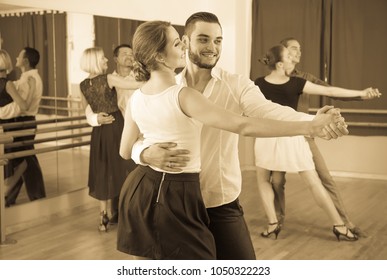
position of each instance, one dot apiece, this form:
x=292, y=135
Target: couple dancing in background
x=104, y=97
x=276, y=156
x=20, y=103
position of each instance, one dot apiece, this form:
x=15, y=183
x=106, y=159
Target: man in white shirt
x=123, y=56
x=27, y=60
x=220, y=176
x=31, y=96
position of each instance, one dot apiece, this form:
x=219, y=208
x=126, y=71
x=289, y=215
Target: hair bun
x=264, y=60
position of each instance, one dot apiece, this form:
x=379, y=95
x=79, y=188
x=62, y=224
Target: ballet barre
x=74, y=129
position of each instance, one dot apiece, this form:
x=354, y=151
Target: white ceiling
x=6, y=7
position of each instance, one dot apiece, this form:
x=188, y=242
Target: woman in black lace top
x=107, y=170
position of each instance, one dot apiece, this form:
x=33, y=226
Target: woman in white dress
x=276, y=156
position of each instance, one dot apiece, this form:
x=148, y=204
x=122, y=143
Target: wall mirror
x=53, y=34
x=61, y=37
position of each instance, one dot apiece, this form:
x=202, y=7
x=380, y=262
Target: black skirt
x=162, y=216
x=107, y=169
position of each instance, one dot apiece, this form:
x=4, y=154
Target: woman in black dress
x=107, y=170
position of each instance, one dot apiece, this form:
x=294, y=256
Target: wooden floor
x=307, y=233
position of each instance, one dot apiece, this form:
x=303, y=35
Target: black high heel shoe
x=276, y=231
x=103, y=225
x=345, y=236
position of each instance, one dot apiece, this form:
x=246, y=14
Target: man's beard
x=195, y=59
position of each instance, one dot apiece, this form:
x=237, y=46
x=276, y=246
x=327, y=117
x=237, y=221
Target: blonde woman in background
x=107, y=170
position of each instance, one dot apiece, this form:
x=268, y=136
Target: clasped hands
x=329, y=124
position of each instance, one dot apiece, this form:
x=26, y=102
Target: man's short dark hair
x=32, y=55
x=117, y=49
x=199, y=16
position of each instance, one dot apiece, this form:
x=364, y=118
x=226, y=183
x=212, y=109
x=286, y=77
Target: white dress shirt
x=31, y=96
x=220, y=176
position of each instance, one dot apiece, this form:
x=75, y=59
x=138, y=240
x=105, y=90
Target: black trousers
x=232, y=237
x=33, y=176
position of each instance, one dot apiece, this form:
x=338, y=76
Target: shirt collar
x=216, y=73
x=29, y=73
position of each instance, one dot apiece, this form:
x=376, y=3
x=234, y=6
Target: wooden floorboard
x=307, y=234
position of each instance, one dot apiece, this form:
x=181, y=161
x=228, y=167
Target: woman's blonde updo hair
x=91, y=61
x=5, y=62
x=273, y=55
x=149, y=40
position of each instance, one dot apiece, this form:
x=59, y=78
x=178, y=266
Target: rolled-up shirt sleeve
x=9, y=111
x=91, y=117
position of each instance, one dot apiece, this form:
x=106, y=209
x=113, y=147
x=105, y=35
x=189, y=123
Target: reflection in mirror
x=62, y=157
x=60, y=39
